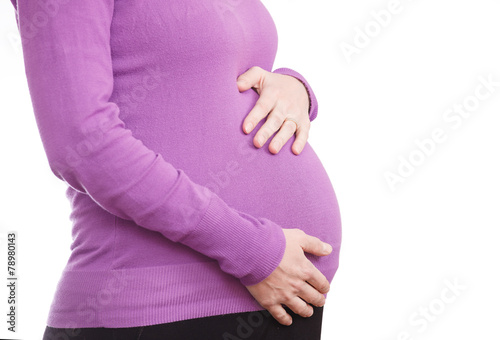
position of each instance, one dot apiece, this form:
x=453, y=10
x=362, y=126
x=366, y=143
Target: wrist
x=313, y=102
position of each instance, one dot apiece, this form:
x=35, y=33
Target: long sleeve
x=313, y=102
x=68, y=66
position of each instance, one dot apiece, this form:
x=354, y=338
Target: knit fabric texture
x=173, y=210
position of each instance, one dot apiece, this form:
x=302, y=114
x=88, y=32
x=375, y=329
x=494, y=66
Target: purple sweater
x=174, y=210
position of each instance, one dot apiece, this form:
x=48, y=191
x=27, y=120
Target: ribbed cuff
x=313, y=102
x=245, y=247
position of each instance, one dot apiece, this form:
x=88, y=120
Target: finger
x=273, y=123
x=317, y=280
x=253, y=77
x=280, y=314
x=310, y=295
x=263, y=106
x=300, y=307
x=286, y=131
x=301, y=137
x=314, y=245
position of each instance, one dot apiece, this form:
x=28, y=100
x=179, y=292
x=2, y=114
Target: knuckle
x=316, y=298
x=281, y=315
x=266, y=303
x=305, y=310
x=297, y=285
x=279, y=116
x=324, y=287
x=275, y=122
x=292, y=127
x=266, y=132
x=299, y=308
x=320, y=301
x=308, y=272
x=262, y=106
x=288, y=295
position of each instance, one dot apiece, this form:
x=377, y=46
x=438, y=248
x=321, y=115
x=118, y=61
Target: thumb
x=251, y=78
x=315, y=246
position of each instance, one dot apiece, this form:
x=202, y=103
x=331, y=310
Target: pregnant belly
x=293, y=191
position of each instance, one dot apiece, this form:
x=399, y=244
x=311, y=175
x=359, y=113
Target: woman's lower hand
x=296, y=282
x=284, y=101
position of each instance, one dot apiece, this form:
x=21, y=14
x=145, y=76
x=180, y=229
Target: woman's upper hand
x=296, y=282
x=284, y=101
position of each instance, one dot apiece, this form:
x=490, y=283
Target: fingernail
x=260, y=140
x=327, y=248
x=248, y=127
x=297, y=150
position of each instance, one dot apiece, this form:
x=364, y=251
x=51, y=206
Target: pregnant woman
x=190, y=220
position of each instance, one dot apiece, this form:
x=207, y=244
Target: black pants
x=259, y=325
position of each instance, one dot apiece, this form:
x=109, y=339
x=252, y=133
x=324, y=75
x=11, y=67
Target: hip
x=256, y=325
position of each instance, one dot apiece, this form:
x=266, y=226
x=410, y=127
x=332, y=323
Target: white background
x=401, y=248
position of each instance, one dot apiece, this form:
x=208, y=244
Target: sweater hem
x=133, y=297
